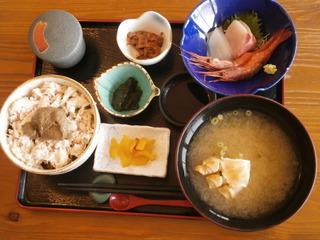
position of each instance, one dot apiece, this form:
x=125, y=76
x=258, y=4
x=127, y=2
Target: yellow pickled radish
x=132, y=151
x=149, y=145
x=125, y=159
x=139, y=160
x=114, y=148
x=141, y=143
x=133, y=144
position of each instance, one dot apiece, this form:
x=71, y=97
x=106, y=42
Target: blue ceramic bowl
x=108, y=82
x=211, y=13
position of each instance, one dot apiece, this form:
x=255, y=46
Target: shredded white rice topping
x=57, y=153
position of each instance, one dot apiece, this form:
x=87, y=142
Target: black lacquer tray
x=42, y=192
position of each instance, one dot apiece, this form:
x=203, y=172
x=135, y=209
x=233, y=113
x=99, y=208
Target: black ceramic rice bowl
x=299, y=137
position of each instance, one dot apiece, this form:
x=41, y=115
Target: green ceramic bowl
x=108, y=82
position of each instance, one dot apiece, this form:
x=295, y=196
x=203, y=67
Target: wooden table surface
x=302, y=97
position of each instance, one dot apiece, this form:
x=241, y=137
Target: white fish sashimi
x=240, y=38
x=218, y=45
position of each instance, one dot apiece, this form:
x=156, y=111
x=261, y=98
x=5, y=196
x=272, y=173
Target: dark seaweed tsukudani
x=127, y=96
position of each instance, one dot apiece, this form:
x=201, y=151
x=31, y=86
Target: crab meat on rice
x=42, y=152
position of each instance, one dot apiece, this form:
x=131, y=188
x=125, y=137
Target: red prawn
x=243, y=67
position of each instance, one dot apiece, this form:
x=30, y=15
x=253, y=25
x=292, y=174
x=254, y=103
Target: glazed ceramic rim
x=155, y=91
x=36, y=81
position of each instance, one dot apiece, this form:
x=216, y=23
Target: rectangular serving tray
x=42, y=193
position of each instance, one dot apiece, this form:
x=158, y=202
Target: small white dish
x=156, y=168
x=151, y=22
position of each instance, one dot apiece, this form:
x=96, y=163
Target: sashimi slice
x=218, y=45
x=240, y=38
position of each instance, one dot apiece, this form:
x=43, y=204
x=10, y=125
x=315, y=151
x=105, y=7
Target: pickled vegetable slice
x=114, y=148
x=132, y=151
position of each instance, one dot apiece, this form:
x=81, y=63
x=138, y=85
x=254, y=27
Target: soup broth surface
x=253, y=136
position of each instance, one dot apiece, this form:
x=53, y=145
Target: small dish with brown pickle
x=125, y=89
x=145, y=40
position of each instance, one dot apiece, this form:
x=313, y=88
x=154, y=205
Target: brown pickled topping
x=48, y=123
x=146, y=43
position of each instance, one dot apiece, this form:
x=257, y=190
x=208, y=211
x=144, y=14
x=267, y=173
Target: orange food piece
x=38, y=36
x=132, y=151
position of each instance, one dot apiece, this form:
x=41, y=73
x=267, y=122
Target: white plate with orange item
x=156, y=167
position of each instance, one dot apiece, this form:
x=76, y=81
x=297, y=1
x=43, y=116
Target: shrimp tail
x=208, y=63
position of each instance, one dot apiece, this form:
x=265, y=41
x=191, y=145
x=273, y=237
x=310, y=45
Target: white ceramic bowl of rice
x=61, y=155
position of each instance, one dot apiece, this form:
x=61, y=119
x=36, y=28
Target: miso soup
x=254, y=136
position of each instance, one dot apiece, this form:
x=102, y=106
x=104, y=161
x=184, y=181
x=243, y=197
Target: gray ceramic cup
x=56, y=37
